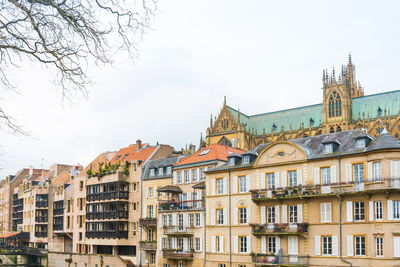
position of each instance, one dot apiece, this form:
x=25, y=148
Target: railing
x=178, y=230
x=107, y=234
x=40, y=234
x=181, y=205
x=42, y=204
x=58, y=227
x=41, y=219
x=17, y=208
x=148, y=222
x=148, y=245
x=107, y=215
x=307, y=191
x=174, y=254
x=279, y=229
x=58, y=211
x=107, y=196
x=8, y=250
x=18, y=202
x=279, y=260
x=17, y=221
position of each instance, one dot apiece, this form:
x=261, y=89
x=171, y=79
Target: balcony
x=17, y=221
x=42, y=204
x=335, y=189
x=148, y=222
x=40, y=234
x=17, y=208
x=107, y=234
x=58, y=227
x=280, y=260
x=179, y=231
x=107, y=215
x=148, y=245
x=41, y=219
x=107, y=196
x=187, y=205
x=279, y=229
x=177, y=255
x=59, y=211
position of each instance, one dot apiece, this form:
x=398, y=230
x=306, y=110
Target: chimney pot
x=138, y=144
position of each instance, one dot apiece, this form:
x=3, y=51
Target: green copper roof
x=313, y=114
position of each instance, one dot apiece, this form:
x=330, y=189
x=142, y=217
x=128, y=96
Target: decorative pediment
x=280, y=152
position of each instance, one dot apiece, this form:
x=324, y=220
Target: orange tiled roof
x=103, y=157
x=217, y=152
x=130, y=153
x=8, y=235
x=63, y=178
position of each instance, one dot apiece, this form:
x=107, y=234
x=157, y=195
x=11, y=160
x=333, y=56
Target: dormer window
x=160, y=171
x=204, y=152
x=246, y=159
x=231, y=161
x=328, y=148
x=169, y=170
x=152, y=172
x=361, y=143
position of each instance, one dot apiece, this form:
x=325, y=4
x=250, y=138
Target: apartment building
x=322, y=200
x=157, y=174
x=182, y=214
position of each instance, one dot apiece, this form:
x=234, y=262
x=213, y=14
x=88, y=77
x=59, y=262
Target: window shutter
x=185, y=244
x=235, y=244
x=213, y=187
x=175, y=242
x=293, y=248
x=235, y=184
x=262, y=182
x=174, y=219
x=334, y=245
x=328, y=212
x=284, y=214
x=190, y=176
x=278, y=244
x=175, y=174
x=390, y=210
x=317, y=245
x=185, y=219
x=199, y=177
x=225, y=216
x=370, y=178
x=371, y=211
x=225, y=186
x=201, y=244
x=299, y=177
x=248, y=244
x=161, y=220
x=263, y=219
x=323, y=212
x=277, y=217
x=392, y=169
x=235, y=216
x=349, y=206
x=348, y=173
x=248, y=183
x=277, y=179
x=221, y=243
x=396, y=246
x=333, y=173
x=145, y=211
x=160, y=246
x=316, y=176
x=212, y=217
x=349, y=245
x=201, y=219
x=248, y=211
x=264, y=245
x=300, y=213
x=284, y=174
x=189, y=196
x=213, y=244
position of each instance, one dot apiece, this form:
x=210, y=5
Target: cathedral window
x=335, y=105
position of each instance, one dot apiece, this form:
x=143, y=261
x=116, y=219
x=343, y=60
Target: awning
x=170, y=189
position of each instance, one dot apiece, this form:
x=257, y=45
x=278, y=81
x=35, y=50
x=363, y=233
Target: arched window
x=335, y=105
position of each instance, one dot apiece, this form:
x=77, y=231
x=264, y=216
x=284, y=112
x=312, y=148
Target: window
x=180, y=219
x=191, y=243
x=198, y=222
x=241, y=265
x=221, y=265
x=377, y=170
x=170, y=243
x=134, y=227
x=358, y=173
x=325, y=212
x=328, y=148
x=164, y=242
x=165, y=220
x=325, y=175
x=334, y=105
x=194, y=176
x=180, y=243
x=242, y=184
x=180, y=180
x=220, y=216
x=243, y=243
x=396, y=209
x=169, y=170
x=292, y=177
x=198, y=245
x=150, y=234
x=359, y=211
x=270, y=180
x=379, y=246
x=152, y=258
x=180, y=264
x=187, y=176
x=361, y=143
x=246, y=159
x=231, y=161
x=169, y=219
x=167, y=265
x=151, y=192
x=292, y=214
x=271, y=245
x=270, y=214
x=204, y=152
x=359, y=248
x=160, y=171
x=378, y=210
x=150, y=211
x=191, y=219
x=203, y=174
x=326, y=245
x=242, y=215
x=219, y=242
x=152, y=172
x=220, y=186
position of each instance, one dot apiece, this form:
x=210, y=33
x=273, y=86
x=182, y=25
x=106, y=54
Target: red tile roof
x=216, y=152
x=103, y=157
x=131, y=153
x=63, y=178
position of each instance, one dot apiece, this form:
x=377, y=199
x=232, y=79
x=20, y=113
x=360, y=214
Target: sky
x=262, y=55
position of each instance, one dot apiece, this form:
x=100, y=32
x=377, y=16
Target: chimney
x=30, y=170
x=192, y=149
x=138, y=144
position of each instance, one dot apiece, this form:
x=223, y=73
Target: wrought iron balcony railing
x=181, y=205
x=279, y=229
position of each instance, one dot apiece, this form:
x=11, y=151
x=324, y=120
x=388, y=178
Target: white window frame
x=198, y=220
x=325, y=175
x=358, y=172
x=377, y=170
x=242, y=215
x=378, y=210
x=326, y=212
x=379, y=248
x=293, y=214
x=220, y=216
x=242, y=184
x=271, y=244
x=191, y=219
x=270, y=180
x=180, y=177
x=327, y=245
x=243, y=244
x=195, y=176
x=246, y=159
x=198, y=245
x=359, y=211
x=271, y=214
x=328, y=148
x=219, y=186
x=396, y=209
x=360, y=244
x=292, y=178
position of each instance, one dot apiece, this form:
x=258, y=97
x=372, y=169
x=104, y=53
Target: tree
x=67, y=36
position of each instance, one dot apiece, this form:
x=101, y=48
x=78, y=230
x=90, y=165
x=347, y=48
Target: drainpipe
x=230, y=215
x=340, y=217
x=141, y=213
x=204, y=226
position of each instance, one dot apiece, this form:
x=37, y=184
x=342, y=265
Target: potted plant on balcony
x=253, y=256
x=273, y=193
x=271, y=257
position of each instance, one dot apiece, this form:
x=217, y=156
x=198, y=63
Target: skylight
x=125, y=155
x=204, y=152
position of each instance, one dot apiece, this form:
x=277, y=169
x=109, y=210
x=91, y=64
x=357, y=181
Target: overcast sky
x=263, y=55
